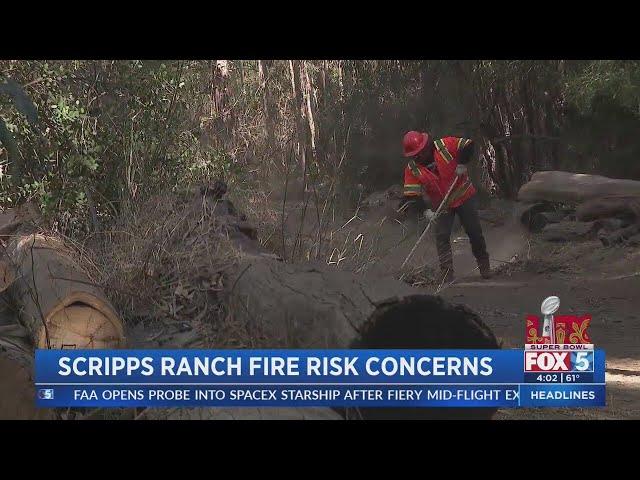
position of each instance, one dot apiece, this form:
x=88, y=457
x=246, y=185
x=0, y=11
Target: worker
x=434, y=164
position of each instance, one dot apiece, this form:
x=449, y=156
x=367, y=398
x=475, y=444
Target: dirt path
x=588, y=279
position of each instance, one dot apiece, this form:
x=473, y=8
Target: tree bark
x=298, y=112
x=309, y=305
x=569, y=231
x=567, y=187
x=264, y=70
x=623, y=206
x=221, y=113
x=620, y=236
x=314, y=306
x=541, y=220
x=58, y=303
x=308, y=97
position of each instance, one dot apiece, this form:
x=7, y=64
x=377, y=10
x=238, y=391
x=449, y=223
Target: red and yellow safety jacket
x=417, y=177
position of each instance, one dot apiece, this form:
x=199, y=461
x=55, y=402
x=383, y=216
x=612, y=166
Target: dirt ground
x=588, y=278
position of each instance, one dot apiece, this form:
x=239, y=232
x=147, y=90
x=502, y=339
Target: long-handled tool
x=435, y=216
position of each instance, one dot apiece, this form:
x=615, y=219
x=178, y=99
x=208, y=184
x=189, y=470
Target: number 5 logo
x=582, y=361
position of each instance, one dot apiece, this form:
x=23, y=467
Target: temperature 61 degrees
x=577, y=377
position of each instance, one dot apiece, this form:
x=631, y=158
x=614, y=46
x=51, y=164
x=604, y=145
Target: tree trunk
x=221, y=113
x=557, y=186
x=569, y=231
x=58, y=304
x=241, y=70
x=308, y=97
x=620, y=236
x=341, y=87
x=527, y=213
x=264, y=70
x=316, y=306
x=298, y=112
x=540, y=220
x=604, y=207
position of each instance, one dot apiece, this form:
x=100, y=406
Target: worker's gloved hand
x=461, y=169
x=429, y=214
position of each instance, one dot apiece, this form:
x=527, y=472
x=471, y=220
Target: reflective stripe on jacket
x=418, y=177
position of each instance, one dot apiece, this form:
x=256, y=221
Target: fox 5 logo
x=535, y=361
x=45, y=394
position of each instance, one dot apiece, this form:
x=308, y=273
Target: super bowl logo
x=557, y=329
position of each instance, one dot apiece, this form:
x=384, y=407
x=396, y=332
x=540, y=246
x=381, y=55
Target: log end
x=81, y=326
x=425, y=322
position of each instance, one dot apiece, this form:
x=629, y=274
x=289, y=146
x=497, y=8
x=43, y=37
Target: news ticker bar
x=222, y=395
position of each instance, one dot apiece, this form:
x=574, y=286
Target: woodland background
x=89, y=141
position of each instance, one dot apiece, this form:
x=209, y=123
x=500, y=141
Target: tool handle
x=424, y=233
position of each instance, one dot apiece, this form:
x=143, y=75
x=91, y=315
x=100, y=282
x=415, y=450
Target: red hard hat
x=413, y=142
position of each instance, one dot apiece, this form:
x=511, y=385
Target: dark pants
x=470, y=221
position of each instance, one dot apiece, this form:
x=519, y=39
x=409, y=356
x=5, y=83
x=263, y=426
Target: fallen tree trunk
x=620, y=236
x=311, y=306
x=314, y=306
x=606, y=225
x=568, y=231
x=567, y=187
x=541, y=220
x=618, y=206
x=536, y=217
x=58, y=304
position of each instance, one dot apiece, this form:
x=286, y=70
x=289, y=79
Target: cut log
x=616, y=206
x=315, y=306
x=58, y=303
x=568, y=231
x=537, y=216
x=542, y=219
x=620, y=236
x=17, y=389
x=528, y=212
x=567, y=187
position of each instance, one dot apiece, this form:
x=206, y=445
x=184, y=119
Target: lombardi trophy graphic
x=549, y=306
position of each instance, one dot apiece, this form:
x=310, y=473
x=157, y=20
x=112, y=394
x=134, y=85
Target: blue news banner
x=277, y=378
